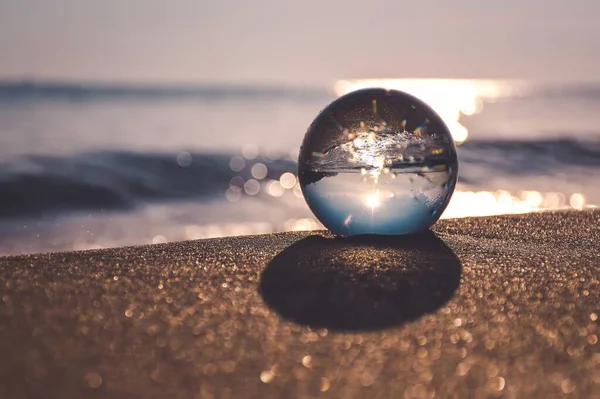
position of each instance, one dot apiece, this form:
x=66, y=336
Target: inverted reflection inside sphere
x=377, y=162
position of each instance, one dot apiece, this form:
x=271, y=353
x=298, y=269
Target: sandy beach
x=483, y=307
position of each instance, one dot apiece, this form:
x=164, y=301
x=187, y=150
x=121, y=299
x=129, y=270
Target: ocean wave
x=117, y=180
x=114, y=180
x=528, y=156
x=78, y=91
x=18, y=91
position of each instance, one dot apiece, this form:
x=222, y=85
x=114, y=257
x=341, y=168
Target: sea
x=87, y=166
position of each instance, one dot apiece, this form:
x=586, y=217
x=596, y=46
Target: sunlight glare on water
x=450, y=98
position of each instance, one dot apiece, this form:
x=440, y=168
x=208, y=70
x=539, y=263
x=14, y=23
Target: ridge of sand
x=485, y=307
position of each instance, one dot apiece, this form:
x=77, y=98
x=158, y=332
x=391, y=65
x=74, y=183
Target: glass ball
x=377, y=161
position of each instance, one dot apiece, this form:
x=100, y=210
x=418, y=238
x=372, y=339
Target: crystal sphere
x=377, y=161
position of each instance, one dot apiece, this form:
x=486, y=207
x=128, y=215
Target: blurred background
x=148, y=121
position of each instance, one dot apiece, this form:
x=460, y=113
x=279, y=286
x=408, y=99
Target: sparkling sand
x=485, y=307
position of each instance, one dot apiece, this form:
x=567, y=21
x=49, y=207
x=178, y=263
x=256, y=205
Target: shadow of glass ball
x=362, y=282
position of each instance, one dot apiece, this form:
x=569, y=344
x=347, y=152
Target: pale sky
x=309, y=41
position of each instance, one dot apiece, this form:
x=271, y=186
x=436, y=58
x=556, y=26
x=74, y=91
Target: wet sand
x=484, y=307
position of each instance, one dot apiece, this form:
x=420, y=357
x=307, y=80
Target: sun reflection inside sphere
x=373, y=200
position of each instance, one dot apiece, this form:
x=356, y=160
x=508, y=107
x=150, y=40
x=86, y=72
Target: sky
x=298, y=42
